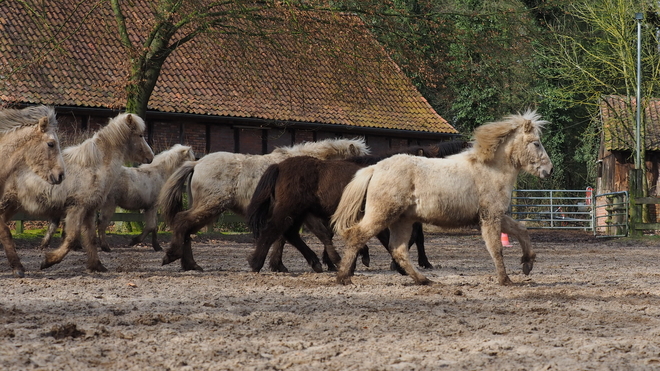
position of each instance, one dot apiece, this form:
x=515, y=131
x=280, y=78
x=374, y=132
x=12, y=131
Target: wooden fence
x=227, y=217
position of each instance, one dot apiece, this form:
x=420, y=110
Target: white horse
x=28, y=143
x=226, y=181
x=92, y=167
x=137, y=188
x=471, y=187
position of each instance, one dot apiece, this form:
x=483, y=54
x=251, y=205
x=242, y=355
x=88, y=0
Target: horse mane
x=11, y=119
x=487, y=138
x=168, y=158
x=115, y=133
x=326, y=149
x=440, y=149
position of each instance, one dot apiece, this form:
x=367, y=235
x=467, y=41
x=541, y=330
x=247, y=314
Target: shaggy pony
x=471, y=187
x=226, y=181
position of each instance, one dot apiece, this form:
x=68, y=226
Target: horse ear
x=43, y=124
x=420, y=152
x=528, y=126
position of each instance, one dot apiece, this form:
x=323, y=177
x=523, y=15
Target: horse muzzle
x=543, y=173
x=56, y=177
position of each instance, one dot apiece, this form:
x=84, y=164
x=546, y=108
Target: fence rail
x=227, y=217
x=555, y=209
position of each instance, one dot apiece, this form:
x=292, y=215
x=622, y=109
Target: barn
x=616, y=155
x=221, y=91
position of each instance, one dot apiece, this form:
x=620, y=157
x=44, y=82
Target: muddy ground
x=588, y=304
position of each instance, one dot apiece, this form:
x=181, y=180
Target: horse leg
x=10, y=250
x=151, y=226
x=491, y=232
x=52, y=228
x=518, y=231
x=72, y=225
x=87, y=240
x=417, y=238
x=384, y=238
x=277, y=249
x=293, y=236
x=356, y=238
x=399, y=238
x=105, y=214
x=321, y=229
x=186, y=223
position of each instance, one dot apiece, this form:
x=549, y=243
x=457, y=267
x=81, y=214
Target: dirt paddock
x=588, y=304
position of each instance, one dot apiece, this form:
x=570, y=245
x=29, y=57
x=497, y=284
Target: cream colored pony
x=28, y=144
x=92, y=168
x=226, y=181
x=137, y=188
x=471, y=187
x=28, y=138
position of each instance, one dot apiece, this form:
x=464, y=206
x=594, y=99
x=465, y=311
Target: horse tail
x=170, y=198
x=349, y=210
x=258, y=211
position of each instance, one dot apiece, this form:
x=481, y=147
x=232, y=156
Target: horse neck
x=12, y=151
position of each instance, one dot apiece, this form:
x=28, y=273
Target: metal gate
x=605, y=214
x=556, y=209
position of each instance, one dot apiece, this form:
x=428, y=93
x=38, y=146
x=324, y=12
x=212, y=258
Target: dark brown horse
x=300, y=189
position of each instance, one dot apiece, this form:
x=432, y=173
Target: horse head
x=43, y=155
x=138, y=149
x=516, y=139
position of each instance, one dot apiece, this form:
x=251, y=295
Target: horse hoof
x=317, y=267
x=527, y=267
x=98, y=267
x=425, y=282
x=366, y=260
x=426, y=265
x=157, y=247
x=279, y=268
x=46, y=264
x=506, y=281
x=192, y=267
x=105, y=248
x=332, y=268
x=168, y=259
x=344, y=280
x=19, y=273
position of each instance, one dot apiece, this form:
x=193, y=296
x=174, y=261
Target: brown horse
x=293, y=190
x=28, y=144
x=92, y=167
x=223, y=181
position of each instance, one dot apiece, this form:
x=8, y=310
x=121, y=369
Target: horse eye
x=537, y=144
x=51, y=144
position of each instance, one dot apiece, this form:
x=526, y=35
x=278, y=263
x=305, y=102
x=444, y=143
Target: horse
x=137, y=188
x=298, y=187
x=28, y=138
x=471, y=187
x=92, y=167
x=28, y=143
x=223, y=181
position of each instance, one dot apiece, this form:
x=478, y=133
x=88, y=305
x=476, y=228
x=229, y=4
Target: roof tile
x=292, y=78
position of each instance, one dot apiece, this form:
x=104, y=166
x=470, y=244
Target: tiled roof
x=346, y=80
x=619, y=123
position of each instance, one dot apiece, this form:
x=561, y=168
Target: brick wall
x=250, y=141
x=304, y=136
x=378, y=144
x=194, y=135
x=164, y=135
x=278, y=138
x=221, y=138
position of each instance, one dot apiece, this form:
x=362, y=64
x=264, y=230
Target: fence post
x=19, y=226
x=635, y=185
